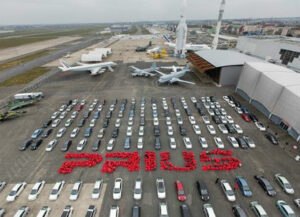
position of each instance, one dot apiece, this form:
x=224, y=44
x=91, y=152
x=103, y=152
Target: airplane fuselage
x=90, y=66
x=169, y=77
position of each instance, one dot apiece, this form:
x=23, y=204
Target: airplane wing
x=159, y=72
x=180, y=80
x=96, y=71
x=148, y=73
x=135, y=68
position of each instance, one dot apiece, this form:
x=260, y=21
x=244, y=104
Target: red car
x=180, y=192
x=246, y=117
x=79, y=107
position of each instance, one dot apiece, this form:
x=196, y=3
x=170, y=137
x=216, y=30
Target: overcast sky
x=93, y=11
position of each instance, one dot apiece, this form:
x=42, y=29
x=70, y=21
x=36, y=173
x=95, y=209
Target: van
x=185, y=211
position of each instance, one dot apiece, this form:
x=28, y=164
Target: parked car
x=238, y=211
x=91, y=212
x=223, y=129
x=271, y=138
x=129, y=131
x=114, y=211
x=284, y=184
x=115, y=133
x=44, y=212
x=105, y=122
x=203, y=191
x=238, y=129
x=160, y=187
x=136, y=211
x=260, y=126
x=192, y=120
x=219, y=142
x=61, y=132
x=56, y=190
x=88, y=131
x=180, y=191
x=66, y=145
x=203, y=142
x=253, y=117
x=137, y=192
x=249, y=141
x=110, y=144
x=258, y=209
x=230, y=128
x=101, y=133
x=233, y=141
x=96, y=145
x=187, y=142
x=117, y=191
x=297, y=202
x=22, y=212
x=97, y=189
x=227, y=190
x=47, y=123
x=26, y=144
x=206, y=119
x=172, y=143
x=168, y=121
x=285, y=209
x=208, y=210
x=81, y=122
x=196, y=129
x=157, y=144
x=140, y=143
x=67, y=212
x=244, y=187
x=2, y=185
x=69, y=122
x=37, y=133
x=16, y=191
x=211, y=129
x=156, y=131
x=74, y=132
x=75, y=191
x=266, y=185
x=36, y=144
x=242, y=142
x=81, y=144
x=163, y=209
x=36, y=190
x=246, y=117
x=182, y=130
x=127, y=143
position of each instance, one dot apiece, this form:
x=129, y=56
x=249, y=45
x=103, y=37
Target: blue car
x=96, y=115
x=245, y=110
x=244, y=187
x=36, y=133
x=285, y=209
x=88, y=132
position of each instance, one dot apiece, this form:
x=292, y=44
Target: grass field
x=13, y=63
x=25, y=77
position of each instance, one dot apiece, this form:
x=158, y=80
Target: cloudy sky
x=83, y=11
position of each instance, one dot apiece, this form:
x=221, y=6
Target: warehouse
x=274, y=91
x=223, y=66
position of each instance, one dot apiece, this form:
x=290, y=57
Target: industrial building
x=283, y=50
x=223, y=66
x=275, y=91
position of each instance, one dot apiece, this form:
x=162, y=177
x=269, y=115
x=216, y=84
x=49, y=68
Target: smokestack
x=216, y=38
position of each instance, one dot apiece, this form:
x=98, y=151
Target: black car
x=242, y=143
x=47, y=133
x=203, y=191
x=36, y=144
x=66, y=145
x=230, y=128
x=173, y=100
x=217, y=112
x=253, y=117
x=157, y=145
x=156, y=131
x=237, y=104
x=201, y=111
x=26, y=144
x=136, y=211
x=88, y=131
x=108, y=114
x=96, y=145
x=266, y=185
x=238, y=211
x=105, y=122
x=167, y=113
x=198, y=105
x=86, y=115
x=271, y=138
x=188, y=112
x=153, y=100
x=47, y=123
x=97, y=115
x=216, y=119
x=175, y=106
x=182, y=130
x=91, y=212
x=69, y=102
x=115, y=133
x=81, y=122
x=213, y=99
x=185, y=210
x=142, y=121
x=124, y=101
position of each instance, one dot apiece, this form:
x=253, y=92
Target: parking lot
x=30, y=166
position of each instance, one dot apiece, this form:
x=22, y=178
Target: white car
x=69, y=108
x=100, y=107
x=197, y=129
x=284, y=184
x=155, y=121
x=208, y=210
x=91, y=107
x=36, y=190
x=97, y=189
x=130, y=121
x=55, y=115
x=22, y=211
x=74, y=132
x=249, y=141
x=185, y=106
x=69, y=122
x=114, y=211
x=101, y=133
x=258, y=209
x=112, y=107
x=55, y=123
x=187, y=142
x=172, y=143
x=229, y=119
x=203, y=99
x=205, y=119
x=206, y=105
x=74, y=114
x=193, y=99
x=160, y=187
x=75, y=191
x=233, y=141
x=168, y=121
x=227, y=190
x=211, y=112
x=51, y=145
x=238, y=110
x=141, y=131
x=117, y=191
x=163, y=209
x=203, y=142
x=110, y=144
x=44, y=212
x=120, y=115
x=137, y=192
x=61, y=132
x=192, y=120
x=15, y=191
x=57, y=188
x=140, y=143
x=81, y=144
x=231, y=104
x=179, y=120
x=222, y=128
x=223, y=111
x=93, y=123
x=170, y=131
x=226, y=98
x=63, y=115
x=211, y=129
x=2, y=185
x=260, y=126
x=212, y=105
x=154, y=107
x=217, y=104
x=219, y=142
x=223, y=119
x=177, y=112
x=118, y=123
x=83, y=102
x=129, y=131
x=62, y=108
x=238, y=129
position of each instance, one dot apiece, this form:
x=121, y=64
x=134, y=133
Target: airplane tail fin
x=154, y=66
x=166, y=38
x=65, y=65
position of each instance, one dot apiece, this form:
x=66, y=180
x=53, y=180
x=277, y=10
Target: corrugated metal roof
x=220, y=58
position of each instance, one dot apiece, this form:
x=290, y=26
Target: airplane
x=95, y=69
x=144, y=72
x=174, y=76
x=154, y=50
x=141, y=49
x=173, y=68
x=188, y=47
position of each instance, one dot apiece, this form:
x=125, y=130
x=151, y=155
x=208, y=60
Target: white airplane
x=188, y=47
x=174, y=76
x=144, y=72
x=95, y=69
x=154, y=50
x=173, y=68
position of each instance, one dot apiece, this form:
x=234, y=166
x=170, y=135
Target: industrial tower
x=216, y=38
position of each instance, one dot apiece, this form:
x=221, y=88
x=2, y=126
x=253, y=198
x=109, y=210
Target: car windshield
x=12, y=193
x=34, y=191
x=74, y=192
x=230, y=192
x=95, y=190
x=180, y=192
x=204, y=191
x=54, y=191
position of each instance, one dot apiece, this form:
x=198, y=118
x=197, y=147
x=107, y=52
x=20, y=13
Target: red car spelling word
x=180, y=192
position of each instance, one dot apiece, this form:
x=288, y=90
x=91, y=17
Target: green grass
x=145, y=31
x=25, y=77
x=13, y=63
x=14, y=42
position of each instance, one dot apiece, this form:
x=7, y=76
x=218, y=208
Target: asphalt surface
x=53, y=55
x=31, y=166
